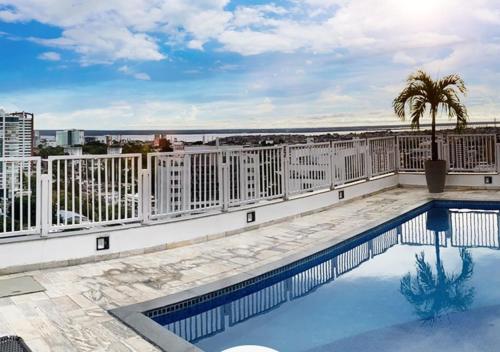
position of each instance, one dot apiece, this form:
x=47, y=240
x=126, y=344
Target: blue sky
x=146, y=64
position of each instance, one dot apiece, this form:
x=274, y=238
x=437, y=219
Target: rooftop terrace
x=72, y=314
x=102, y=232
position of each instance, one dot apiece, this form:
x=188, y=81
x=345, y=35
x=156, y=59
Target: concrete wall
x=453, y=180
x=79, y=247
x=33, y=252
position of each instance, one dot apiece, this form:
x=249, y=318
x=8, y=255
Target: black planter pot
x=438, y=220
x=435, y=174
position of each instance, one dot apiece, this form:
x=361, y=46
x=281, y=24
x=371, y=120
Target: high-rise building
x=16, y=134
x=16, y=141
x=70, y=137
x=36, y=139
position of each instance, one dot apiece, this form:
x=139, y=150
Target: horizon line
x=269, y=130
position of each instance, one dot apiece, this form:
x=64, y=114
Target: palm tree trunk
x=436, y=247
x=441, y=276
x=434, y=150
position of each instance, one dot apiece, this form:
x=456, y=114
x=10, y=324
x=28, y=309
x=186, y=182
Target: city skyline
x=238, y=64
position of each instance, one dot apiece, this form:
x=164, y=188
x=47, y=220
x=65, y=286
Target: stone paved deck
x=71, y=315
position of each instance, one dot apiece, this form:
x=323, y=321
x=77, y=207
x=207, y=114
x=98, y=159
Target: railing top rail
x=473, y=211
x=360, y=140
x=416, y=136
x=472, y=135
x=17, y=159
x=381, y=138
x=93, y=156
x=185, y=152
x=302, y=145
x=213, y=151
x=253, y=148
x=441, y=135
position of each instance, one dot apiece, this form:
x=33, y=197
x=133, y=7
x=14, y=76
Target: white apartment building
x=114, y=150
x=16, y=139
x=16, y=134
x=188, y=182
x=70, y=137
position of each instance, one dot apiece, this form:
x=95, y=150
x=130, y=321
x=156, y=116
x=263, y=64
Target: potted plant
x=422, y=94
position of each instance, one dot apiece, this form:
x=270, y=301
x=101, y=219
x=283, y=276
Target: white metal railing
x=79, y=192
x=254, y=174
x=474, y=228
x=185, y=182
x=20, y=201
x=413, y=151
x=382, y=155
x=349, y=161
x=415, y=232
x=309, y=167
x=472, y=153
x=93, y=190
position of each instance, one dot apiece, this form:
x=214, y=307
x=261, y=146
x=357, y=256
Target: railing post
x=285, y=157
x=368, y=160
x=443, y=149
x=45, y=206
x=225, y=184
x=332, y=166
x=145, y=194
x=397, y=154
x=497, y=156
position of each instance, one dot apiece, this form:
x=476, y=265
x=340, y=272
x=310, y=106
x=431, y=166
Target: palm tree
x=422, y=92
x=436, y=294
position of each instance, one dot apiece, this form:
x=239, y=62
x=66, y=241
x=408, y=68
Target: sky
x=180, y=64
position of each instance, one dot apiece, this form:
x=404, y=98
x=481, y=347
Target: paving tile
x=71, y=315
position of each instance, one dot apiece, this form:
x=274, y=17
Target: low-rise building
x=70, y=137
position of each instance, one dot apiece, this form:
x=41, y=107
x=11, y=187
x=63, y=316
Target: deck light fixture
x=251, y=216
x=102, y=243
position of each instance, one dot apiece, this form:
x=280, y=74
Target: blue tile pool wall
x=165, y=315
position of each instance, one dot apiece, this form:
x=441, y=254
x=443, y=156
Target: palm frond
x=422, y=92
x=406, y=97
x=454, y=108
x=452, y=80
x=417, y=111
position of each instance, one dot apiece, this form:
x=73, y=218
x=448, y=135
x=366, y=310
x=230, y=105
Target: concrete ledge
x=453, y=181
x=80, y=247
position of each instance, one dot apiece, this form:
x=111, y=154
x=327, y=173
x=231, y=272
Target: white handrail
x=79, y=192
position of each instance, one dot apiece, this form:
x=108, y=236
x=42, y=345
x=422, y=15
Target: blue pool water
x=429, y=280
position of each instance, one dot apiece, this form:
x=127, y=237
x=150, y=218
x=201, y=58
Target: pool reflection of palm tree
x=436, y=294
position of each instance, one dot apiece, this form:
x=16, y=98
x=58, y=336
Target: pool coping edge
x=133, y=315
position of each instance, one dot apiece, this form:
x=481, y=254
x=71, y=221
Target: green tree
x=95, y=148
x=44, y=152
x=422, y=93
x=138, y=147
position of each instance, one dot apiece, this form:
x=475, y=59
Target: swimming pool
x=427, y=280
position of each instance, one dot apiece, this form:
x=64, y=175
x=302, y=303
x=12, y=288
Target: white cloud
x=402, y=58
x=100, y=43
x=142, y=76
x=335, y=97
x=50, y=56
x=137, y=75
x=107, y=31
x=488, y=15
